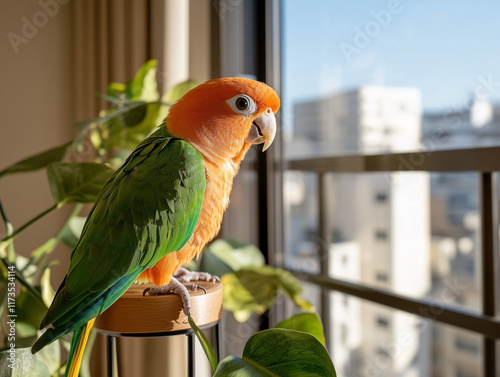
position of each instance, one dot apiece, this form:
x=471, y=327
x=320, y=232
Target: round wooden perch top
x=134, y=313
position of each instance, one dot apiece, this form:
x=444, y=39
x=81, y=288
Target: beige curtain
x=112, y=39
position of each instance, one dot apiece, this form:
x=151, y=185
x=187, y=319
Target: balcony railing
x=485, y=162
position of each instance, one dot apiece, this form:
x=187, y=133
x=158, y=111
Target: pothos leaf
x=254, y=290
x=37, y=161
x=143, y=86
x=78, y=182
x=305, y=322
x=224, y=256
x=279, y=352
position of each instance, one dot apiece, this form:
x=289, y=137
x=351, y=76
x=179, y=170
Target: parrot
x=161, y=207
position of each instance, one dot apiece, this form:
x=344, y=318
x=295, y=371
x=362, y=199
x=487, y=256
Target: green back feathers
x=147, y=209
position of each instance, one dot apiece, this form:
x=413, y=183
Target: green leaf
x=116, y=89
x=305, y=322
x=130, y=129
x=135, y=115
x=78, y=182
x=207, y=347
x=113, y=99
x=108, y=115
x=143, y=86
x=71, y=233
x=37, y=161
x=48, y=292
x=50, y=356
x=279, y=352
x=3, y=288
x=21, y=363
x=30, y=311
x=254, y=289
x=28, y=270
x=224, y=256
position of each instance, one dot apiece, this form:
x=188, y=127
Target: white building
x=380, y=224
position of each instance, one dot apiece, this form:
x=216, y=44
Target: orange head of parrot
x=222, y=118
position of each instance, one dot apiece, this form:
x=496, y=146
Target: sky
x=448, y=49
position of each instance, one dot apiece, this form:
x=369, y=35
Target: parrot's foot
x=176, y=287
x=185, y=276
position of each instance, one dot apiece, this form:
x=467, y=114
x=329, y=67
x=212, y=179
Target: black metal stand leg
x=218, y=339
x=111, y=348
x=191, y=353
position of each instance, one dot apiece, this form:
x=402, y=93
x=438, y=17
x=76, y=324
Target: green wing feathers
x=147, y=209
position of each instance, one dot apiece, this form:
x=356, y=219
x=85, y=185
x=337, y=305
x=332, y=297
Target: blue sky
x=442, y=47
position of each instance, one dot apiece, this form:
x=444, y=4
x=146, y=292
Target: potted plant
x=25, y=289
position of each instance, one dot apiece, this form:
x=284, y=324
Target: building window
x=381, y=197
x=382, y=277
x=466, y=345
x=382, y=321
x=381, y=235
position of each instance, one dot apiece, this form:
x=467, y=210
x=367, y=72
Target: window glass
x=373, y=340
x=370, y=77
x=422, y=241
x=376, y=76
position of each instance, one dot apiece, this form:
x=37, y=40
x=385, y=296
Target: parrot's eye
x=242, y=104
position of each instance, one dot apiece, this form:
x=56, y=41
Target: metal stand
x=111, y=345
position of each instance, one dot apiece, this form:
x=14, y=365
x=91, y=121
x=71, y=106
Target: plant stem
x=9, y=229
x=8, y=225
x=23, y=227
x=21, y=279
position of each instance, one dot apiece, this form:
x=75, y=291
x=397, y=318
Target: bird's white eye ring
x=242, y=104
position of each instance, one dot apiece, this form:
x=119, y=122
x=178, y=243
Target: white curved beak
x=263, y=129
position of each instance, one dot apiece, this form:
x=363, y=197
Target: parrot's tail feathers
x=48, y=337
x=78, y=343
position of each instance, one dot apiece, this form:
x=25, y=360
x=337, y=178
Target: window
x=349, y=73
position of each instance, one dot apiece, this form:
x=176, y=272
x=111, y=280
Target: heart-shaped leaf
x=279, y=352
x=143, y=86
x=305, y=322
x=224, y=256
x=254, y=289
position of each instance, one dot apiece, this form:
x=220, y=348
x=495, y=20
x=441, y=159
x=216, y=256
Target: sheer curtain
x=111, y=40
